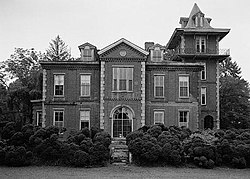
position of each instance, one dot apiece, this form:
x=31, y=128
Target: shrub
x=17, y=156
x=17, y=139
x=239, y=162
x=150, y=152
x=102, y=137
x=154, y=131
x=133, y=135
x=81, y=159
x=99, y=154
x=2, y=155
x=8, y=130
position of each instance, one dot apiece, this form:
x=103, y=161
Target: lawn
x=122, y=172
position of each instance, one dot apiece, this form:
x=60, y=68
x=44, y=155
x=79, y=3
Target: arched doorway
x=208, y=122
x=122, y=120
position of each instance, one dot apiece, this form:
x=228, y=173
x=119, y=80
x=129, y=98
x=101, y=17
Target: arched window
x=122, y=122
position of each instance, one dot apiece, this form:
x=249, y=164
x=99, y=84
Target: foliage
x=234, y=97
x=21, y=75
x=58, y=50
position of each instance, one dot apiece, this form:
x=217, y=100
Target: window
x=203, y=73
x=59, y=118
x=85, y=85
x=122, y=79
x=183, y=86
x=200, y=44
x=87, y=53
x=159, y=85
x=203, y=96
x=183, y=118
x=122, y=122
x=158, y=117
x=59, y=85
x=84, y=119
x=157, y=54
x=39, y=118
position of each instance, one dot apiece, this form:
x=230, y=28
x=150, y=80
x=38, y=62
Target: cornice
x=122, y=99
x=122, y=59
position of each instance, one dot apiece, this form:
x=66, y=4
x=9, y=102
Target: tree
x=234, y=97
x=58, y=50
x=25, y=73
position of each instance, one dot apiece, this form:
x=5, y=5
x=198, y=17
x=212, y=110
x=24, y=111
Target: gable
x=130, y=50
x=122, y=51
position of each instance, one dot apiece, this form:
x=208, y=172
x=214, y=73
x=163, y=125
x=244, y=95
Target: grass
x=121, y=171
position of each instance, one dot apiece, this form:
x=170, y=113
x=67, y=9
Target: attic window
x=87, y=53
x=157, y=54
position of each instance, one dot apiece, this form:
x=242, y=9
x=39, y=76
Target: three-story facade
x=122, y=87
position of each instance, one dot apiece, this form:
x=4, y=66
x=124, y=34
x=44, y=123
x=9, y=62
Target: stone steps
x=119, y=151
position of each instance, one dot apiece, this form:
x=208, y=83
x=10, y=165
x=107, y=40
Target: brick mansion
x=122, y=87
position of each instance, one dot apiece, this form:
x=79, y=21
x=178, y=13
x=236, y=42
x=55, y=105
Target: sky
x=33, y=23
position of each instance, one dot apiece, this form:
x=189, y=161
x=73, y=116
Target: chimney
x=148, y=44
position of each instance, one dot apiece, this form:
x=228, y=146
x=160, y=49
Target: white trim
x=155, y=75
x=188, y=114
x=84, y=120
x=204, y=93
x=162, y=111
x=188, y=92
x=205, y=71
x=54, y=74
x=112, y=114
x=57, y=110
x=82, y=74
x=39, y=111
x=122, y=40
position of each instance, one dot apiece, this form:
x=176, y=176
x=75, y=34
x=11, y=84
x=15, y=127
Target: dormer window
x=157, y=54
x=87, y=53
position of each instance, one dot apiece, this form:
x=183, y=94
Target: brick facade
x=128, y=87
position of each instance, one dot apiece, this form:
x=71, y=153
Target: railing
x=206, y=51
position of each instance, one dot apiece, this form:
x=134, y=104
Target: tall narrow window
x=203, y=73
x=122, y=79
x=59, y=118
x=58, y=85
x=183, y=118
x=183, y=86
x=159, y=85
x=84, y=119
x=39, y=118
x=200, y=44
x=158, y=117
x=85, y=85
x=203, y=96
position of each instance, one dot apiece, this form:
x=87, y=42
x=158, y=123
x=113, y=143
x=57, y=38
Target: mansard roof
x=196, y=10
x=122, y=40
x=189, y=27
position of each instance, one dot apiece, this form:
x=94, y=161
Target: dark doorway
x=208, y=122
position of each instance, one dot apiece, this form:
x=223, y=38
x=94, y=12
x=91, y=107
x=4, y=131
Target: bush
x=8, y=130
x=81, y=159
x=17, y=156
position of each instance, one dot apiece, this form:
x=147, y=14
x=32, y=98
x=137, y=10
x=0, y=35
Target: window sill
x=122, y=91
x=184, y=97
x=159, y=97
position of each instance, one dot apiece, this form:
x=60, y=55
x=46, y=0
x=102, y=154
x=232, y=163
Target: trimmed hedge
x=35, y=145
x=172, y=145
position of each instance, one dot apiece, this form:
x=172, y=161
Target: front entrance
x=208, y=122
x=122, y=120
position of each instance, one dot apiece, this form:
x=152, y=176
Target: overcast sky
x=33, y=23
